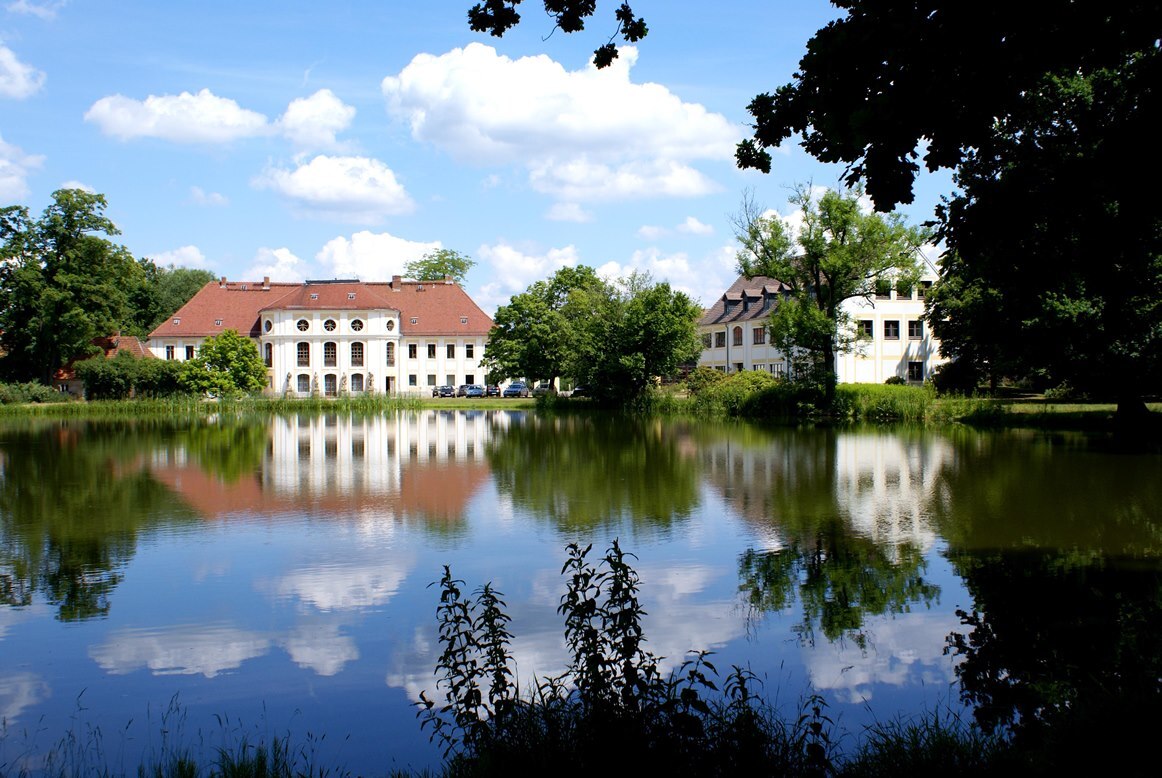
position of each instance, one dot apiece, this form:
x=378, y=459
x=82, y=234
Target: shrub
x=31, y=392
x=702, y=378
x=611, y=702
x=956, y=377
x=895, y=381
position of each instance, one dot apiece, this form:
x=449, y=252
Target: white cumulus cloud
x=694, y=227
x=15, y=167
x=515, y=269
x=186, y=118
x=45, y=10
x=277, y=264
x=200, y=196
x=370, y=256
x=73, y=184
x=17, y=79
x=186, y=256
x=587, y=134
x=354, y=189
x=312, y=122
x=568, y=212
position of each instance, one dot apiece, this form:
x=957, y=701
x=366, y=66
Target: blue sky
x=320, y=140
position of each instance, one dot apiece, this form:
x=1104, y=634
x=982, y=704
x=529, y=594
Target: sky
x=305, y=140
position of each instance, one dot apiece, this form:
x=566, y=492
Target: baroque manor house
x=893, y=339
x=340, y=337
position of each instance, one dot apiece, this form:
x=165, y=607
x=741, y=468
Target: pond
x=196, y=582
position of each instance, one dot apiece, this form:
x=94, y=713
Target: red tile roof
x=110, y=347
x=439, y=307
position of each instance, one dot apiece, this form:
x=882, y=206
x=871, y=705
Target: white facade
x=892, y=337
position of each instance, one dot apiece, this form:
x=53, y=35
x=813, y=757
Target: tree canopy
x=435, y=265
x=499, y=16
x=161, y=292
x=62, y=283
x=839, y=250
x=1048, y=114
x=227, y=364
x=616, y=337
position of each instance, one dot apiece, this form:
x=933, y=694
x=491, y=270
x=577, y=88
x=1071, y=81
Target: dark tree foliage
x=499, y=16
x=160, y=292
x=1048, y=113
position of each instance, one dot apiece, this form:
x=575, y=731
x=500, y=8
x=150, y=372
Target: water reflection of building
x=428, y=464
x=881, y=484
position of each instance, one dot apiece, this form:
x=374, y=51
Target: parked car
x=475, y=390
x=462, y=391
x=516, y=389
x=580, y=390
x=444, y=391
x=492, y=390
x=542, y=388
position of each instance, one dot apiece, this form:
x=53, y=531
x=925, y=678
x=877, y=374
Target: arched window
x=304, y=383
x=357, y=382
x=356, y=355
x=736, y=336
x=330, y=354
x=390, y=354
x=303, y=350
x=269, y=354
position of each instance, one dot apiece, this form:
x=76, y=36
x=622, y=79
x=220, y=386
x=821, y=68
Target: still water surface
x=268, y=576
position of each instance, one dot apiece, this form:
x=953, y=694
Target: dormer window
x=176, y=322
x=350, y=295
x=314, y=295
x=217, y=322
x=415, y=320
x=463, y=319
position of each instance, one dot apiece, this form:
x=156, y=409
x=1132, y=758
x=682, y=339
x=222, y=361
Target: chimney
x=396, y=282
x=447, y=279
x=222, y=281
x=265, y=283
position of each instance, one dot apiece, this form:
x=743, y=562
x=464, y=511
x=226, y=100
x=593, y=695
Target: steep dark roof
x=747, y=299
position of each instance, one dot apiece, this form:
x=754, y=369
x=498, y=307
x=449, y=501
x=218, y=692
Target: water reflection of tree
x=72, y=503
x=838, y=578
x=1061, y=650
x=580, y=471
x=1059, y=546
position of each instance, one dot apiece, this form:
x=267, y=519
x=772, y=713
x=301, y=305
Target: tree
x=1048, y=113
x=435, y=265
x=530, y=335
x=161, y=292
x=498, y=16
x=227, y=364
x=625, y=336
x=839, y=252
x=62, y=283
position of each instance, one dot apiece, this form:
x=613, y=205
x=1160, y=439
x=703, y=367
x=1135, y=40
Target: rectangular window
x=450, y=380
x=431, y=351
x=891, y=330
x=451, y=351
x=760, y=335
x=866, y=329
x=719, y=340
x=304, y=383
x=904, y=292
x=915, y=329
x=304, y=354
x=469, y=351
x=736, y=336
x=431, y=379
x=705, y=340
x=330, y=355
x=760, y=367
x=778, y=368
x=169, y=351
x=924, y=288
x=412, y=379
x=470, y=378
x=915, y=371
x=189, y=352
x=412, y=350
x=883, y=290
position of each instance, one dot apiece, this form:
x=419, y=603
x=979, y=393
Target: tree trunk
x=1133, y=423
